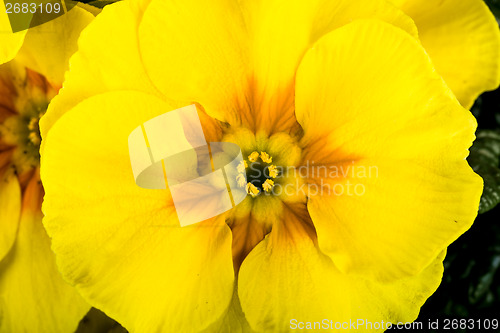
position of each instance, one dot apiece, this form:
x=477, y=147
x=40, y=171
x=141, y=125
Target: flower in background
x=461, y=37
x=298, y=86
x=33, y=295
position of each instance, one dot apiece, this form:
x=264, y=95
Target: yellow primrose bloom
x=33, y=295
x=368, y=146
x=461, y=37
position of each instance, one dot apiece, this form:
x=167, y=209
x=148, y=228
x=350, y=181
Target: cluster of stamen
x=259, y=172
x=34, y=131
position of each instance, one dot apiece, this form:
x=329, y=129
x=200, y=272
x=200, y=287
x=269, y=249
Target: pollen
x=253, y=157
x=273, y=171
x=252, y=190
x=241, y=180
x=265, y=157
x=34, y=138
x=242, y=166
x=268, y=185
x=33, y=124
x=34, y=131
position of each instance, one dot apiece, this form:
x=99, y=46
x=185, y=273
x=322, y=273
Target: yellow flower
x=461, y=38
x=33, y=295
x=341, y=96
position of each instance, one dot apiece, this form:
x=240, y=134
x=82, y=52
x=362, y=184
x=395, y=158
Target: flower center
x=22, y=132
x=19, y=130
x=260, y=173
x=263, y=173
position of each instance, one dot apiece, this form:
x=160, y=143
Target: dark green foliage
x=484, y=159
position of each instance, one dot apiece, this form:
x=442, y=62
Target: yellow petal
x=10, y=42
x=370, y=103
x=48, y=47
x=397, y=302
x=121, y=245
x=93, y=9
x=463, y=41
x=247, y=232
x=33, y=295
x=285, y=277
x=233, y=321
x=213, y=61
x=238, y=60
x=10, y=210
x=197, y=51
x=280, y=33
x=105, y=61
x=286, y=280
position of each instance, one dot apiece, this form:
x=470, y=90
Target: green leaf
x=484, y=159
x=99, y=3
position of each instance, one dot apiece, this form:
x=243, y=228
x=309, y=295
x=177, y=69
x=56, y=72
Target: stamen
x=34, y=134
x=241, y=180
x=33, y=124
x=253, y=156
x=268, y=185
x=35, y=138
x=252, y=190
x=265, y=157
x=242, y=166
x=273, y=171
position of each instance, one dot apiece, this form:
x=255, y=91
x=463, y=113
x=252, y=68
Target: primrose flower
x=33, y=295
x=461, y=38
x=354, y=154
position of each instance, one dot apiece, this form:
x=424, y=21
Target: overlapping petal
x=10, y=42
x=463, y=41
x=222, y=52
x=280, y=32
x=105, y=61
x=208, y=60
x=287, y=279
x=124, y=250
x=33, y=296
x=10, y=210
x=233, y=320
x=369, y=100
x=48, y=47
x=397, y=302
x=226, y=59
